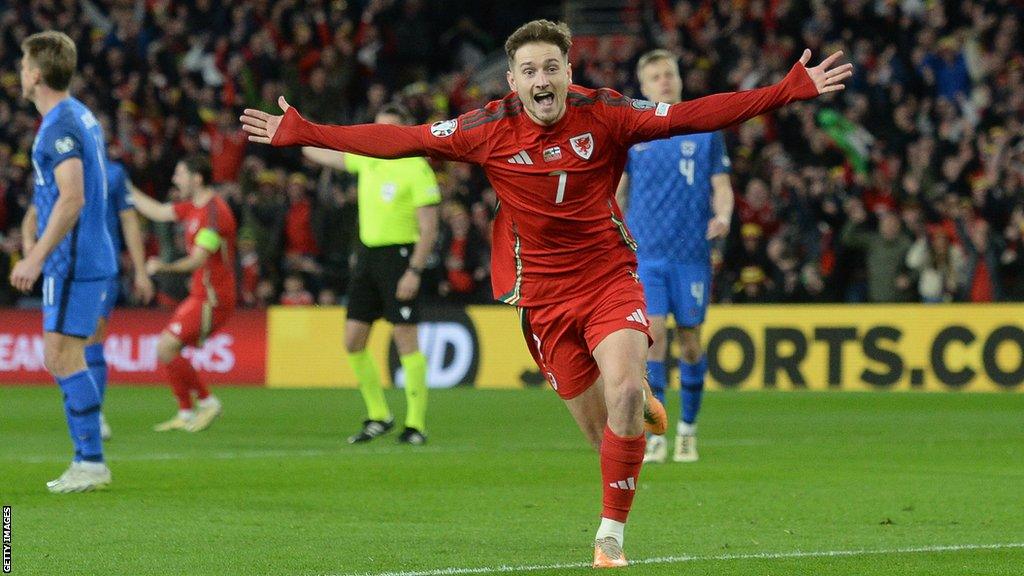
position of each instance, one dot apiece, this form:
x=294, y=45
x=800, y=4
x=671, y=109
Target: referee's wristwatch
x=415, y=270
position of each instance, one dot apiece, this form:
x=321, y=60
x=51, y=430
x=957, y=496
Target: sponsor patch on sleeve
x=642, y=105
x=64, y=145
x=444, y=128
x=662, y=109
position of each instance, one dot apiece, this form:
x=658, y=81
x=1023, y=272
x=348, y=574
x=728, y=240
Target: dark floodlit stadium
x=446, y=287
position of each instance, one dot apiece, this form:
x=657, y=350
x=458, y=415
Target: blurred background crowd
x=909, y=186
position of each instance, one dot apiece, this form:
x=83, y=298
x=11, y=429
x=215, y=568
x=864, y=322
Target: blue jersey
x=118, y=200
x=70, y=130
x=670, y=196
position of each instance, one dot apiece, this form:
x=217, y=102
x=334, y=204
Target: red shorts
x=195, y=319
x=561, y=337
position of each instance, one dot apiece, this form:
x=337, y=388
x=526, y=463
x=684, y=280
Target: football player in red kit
x=554, y=153
x=210, y=234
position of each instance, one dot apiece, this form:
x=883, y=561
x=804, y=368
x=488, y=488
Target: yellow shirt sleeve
x=424, y=185
x=208, y=240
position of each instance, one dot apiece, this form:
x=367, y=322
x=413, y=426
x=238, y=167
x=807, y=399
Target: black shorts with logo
x=371, y=290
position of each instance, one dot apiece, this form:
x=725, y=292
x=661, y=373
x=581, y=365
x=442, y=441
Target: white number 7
x=562, y=177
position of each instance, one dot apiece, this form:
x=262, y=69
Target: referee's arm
x=409, y=284
x=324, y=157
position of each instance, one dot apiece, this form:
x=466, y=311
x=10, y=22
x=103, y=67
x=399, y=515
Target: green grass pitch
x=788, y=484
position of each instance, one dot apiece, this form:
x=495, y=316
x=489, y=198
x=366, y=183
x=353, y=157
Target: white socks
x=186, y=414
x=92, y=466
x=611, y=528
x=210, y=400
x=684, y=429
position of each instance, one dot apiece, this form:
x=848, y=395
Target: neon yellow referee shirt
x=390, y=191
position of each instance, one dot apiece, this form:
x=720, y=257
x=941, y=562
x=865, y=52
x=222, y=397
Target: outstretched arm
x=291, y=129
x=719, y=111
x=150, y=208
x=441, y=140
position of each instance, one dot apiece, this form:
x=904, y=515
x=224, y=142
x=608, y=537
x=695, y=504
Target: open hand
x=260, y=125
x=25, y=274
x=826, y=79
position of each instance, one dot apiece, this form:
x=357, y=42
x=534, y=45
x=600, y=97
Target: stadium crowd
x=907, y=187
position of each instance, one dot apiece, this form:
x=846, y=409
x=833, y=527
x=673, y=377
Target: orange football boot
x=655, y=418
x=608, y=553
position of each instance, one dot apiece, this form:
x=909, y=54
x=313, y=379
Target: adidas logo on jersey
x=627, y=484
x=521, y=158
x=637, y=316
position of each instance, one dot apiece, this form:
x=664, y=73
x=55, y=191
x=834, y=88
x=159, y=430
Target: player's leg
x=591, y=413
x=378, y=420
x=655, y=283
x=388, y=269
x=690, y=289
x=94, y=356
x=692, y=369
x=97, y=365
x=414, y=365
x=179, y=373
x=621, y=358
x=208, y=406
x=70, y=312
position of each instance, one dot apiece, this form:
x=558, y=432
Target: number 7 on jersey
x=562, y=177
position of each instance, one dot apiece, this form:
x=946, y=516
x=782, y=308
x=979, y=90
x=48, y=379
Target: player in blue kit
x=122, y=220
x=72, y=251
x=677, y=197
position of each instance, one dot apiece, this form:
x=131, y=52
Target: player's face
x=183, y=180
x=541, y=76
x=660, y=82
x=29, y=77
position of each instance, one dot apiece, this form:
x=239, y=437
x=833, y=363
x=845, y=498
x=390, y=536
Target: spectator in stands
x=980, y=280
x=300, y=248
x=295, y=293
x=249, y=264
x=884, y=251
x=460, y=253
x=938, y=264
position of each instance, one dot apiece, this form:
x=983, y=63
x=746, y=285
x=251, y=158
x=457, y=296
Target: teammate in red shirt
x=554, y=153
x=210, y=234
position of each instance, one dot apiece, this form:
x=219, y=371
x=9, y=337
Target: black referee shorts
x=371, y=290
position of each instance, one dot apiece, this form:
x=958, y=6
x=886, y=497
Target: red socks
x=183, y=379
x=621, y=459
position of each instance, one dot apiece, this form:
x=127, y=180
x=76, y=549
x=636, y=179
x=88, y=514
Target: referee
x=397, y=228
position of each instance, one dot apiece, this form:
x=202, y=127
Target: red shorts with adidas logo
x=562, y=336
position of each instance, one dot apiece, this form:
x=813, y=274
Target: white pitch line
x=313, y=452
x=504, y=569
x=246, y=454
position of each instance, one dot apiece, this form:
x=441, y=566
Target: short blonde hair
x=656, y=56
x=545, y=31
x=55, y=55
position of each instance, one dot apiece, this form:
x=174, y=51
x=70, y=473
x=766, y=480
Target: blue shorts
x=113, y=289
x=73, y=307
x=682, y=289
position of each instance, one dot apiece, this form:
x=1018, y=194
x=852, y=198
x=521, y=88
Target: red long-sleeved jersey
x=558, y=231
